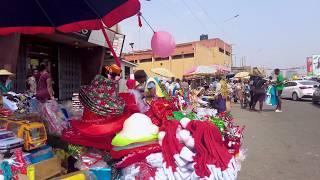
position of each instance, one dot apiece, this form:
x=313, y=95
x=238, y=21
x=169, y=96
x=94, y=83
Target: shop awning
x=48, y=16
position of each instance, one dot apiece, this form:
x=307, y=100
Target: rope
x=193, y=14
x=144, y=19
x=45, y=13
x=207, y=14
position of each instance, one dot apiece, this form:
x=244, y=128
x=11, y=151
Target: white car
x=299, y=89
x=9, y=141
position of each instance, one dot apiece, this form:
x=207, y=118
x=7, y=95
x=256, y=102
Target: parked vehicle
x=33, y=133
x=316, y=95
x=9, y=141
x=300, y=89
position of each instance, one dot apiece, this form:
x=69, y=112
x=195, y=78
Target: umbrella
x=162, y=72
x=230, y=75
x=201, y=70
x=242, y=74
x=221, y=68
x=48, y=16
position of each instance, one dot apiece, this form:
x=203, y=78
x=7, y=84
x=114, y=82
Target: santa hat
x=170, y=144
x=131, y=84
x=210, y=148
x=137, y=128
x=134, y=155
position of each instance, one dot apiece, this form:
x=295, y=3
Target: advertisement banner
x=309, y=66
x=316, y=65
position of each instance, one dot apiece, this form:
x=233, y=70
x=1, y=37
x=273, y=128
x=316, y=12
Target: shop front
x=72, y=59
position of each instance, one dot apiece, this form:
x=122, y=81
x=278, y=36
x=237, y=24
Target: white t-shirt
x=218, y=86
x=177, y=86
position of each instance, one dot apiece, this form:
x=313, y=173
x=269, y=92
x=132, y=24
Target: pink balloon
x=162, y=44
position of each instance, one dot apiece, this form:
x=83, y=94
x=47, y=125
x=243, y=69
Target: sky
x=268, y=33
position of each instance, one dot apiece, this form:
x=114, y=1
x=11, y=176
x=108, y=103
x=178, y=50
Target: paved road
x=281, y=146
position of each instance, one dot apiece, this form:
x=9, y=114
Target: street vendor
x=149, y=88
x=153, y=90
x=5, y=83
x=44, y=87
x=141, y=77
x=222, y=96
x=113, y=72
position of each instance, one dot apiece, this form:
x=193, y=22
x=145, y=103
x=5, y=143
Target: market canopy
x=162, y=72
x=207, y=70
x=47, y=16
x=242, y=74
x=201, y=70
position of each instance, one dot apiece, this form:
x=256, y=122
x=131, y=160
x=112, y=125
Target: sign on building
x=316, y=65
x=309, y=66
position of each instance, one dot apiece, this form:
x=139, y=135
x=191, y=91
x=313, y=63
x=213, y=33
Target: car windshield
x=5, y=136
x=37, y=133
x=306, y=83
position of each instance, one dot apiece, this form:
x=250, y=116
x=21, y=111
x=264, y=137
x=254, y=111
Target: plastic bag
x=53, y=117
x=12, y=106
x=138, y=171
x=90, y=161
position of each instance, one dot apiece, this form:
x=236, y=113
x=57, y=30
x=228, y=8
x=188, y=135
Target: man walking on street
x=279, y=88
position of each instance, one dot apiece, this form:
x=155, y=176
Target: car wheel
x=295, y=97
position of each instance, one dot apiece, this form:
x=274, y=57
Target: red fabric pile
x=170, y=144
x=210, y=149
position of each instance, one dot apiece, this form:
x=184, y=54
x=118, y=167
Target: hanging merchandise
x=54, y=118
x=163, y=44
x=100, y=97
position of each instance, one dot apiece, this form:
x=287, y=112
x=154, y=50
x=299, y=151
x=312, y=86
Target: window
x=309, y=83
x=161, y=59
x=221, y=50
x=177, y=56
x=190, y=55
x=227, y=53
x=145, y=60
x=13, y=127
x=6, y=135
x=290, y=84
x=37, y=133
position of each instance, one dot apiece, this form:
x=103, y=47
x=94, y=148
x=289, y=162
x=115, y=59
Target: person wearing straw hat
x=259, y=89
x=5, y=83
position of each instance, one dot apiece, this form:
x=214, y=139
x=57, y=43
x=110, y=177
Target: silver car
x=316, y=95
x=9, y=141
x=300, y=89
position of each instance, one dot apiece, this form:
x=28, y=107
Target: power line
x=208, y=15
x=192, y=13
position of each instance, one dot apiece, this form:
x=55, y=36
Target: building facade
x=185, y=57
x=241, y=69
x=73, y=59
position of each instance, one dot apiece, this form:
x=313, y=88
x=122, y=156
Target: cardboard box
x=45, y=169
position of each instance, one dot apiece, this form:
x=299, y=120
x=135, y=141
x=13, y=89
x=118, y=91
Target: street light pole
x=224, y=43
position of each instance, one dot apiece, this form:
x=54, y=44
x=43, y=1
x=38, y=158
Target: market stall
x=112, y=135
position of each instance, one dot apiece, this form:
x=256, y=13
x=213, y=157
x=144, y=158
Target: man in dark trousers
x=279, y=88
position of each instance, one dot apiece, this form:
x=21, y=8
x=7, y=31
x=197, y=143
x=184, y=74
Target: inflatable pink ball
x=162, y=44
